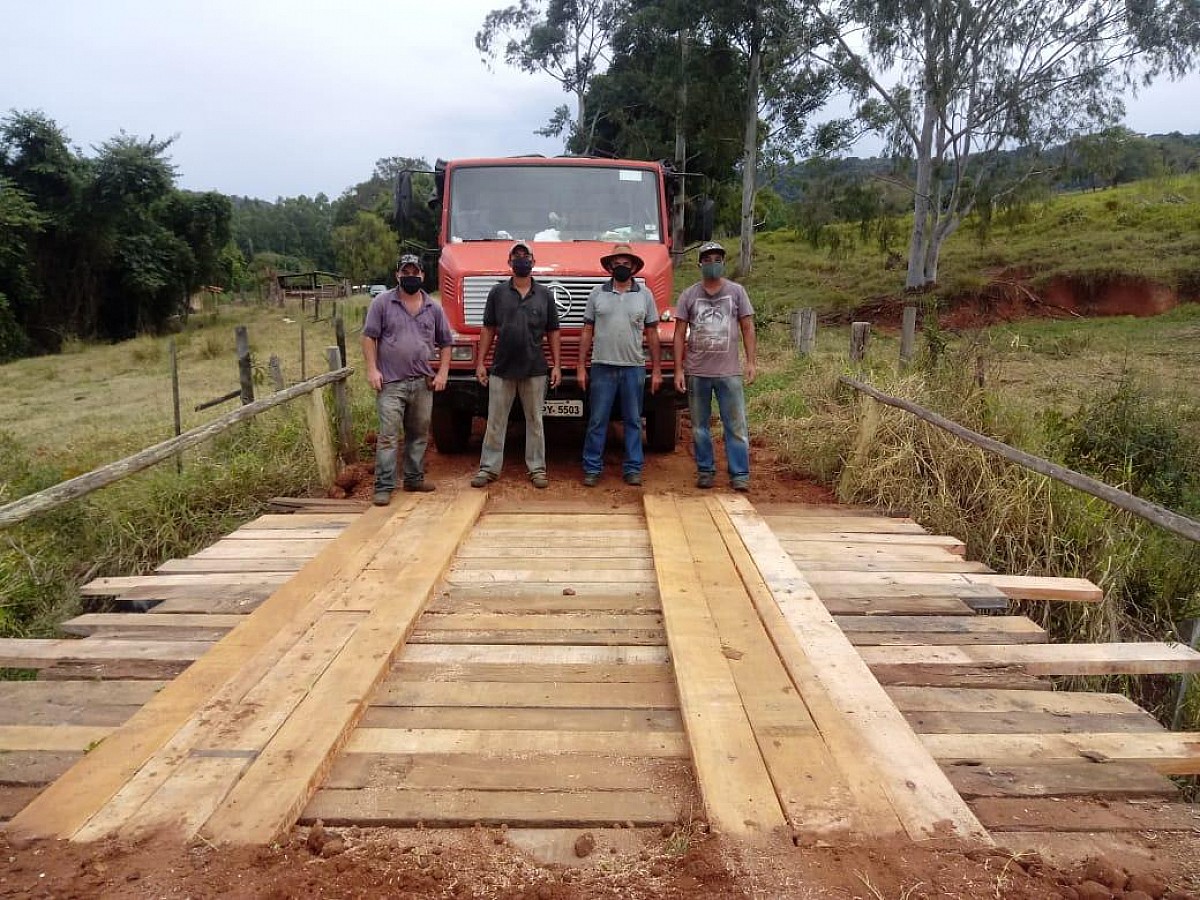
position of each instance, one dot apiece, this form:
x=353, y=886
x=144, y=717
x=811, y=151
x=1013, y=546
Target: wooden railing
x=318, y=423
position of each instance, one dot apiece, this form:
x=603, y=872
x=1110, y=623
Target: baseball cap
x=520, y=245
x=409, y=259
x=712, y=247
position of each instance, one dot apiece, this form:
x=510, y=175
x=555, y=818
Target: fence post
x=339, y=333
x=868, y=427
x=175, y=398
x=303, y=355
x=245, y=369
x=908, y=334
x=804, y=330
x=317, y=308
x=860, y=335
x=1185, y=679
x=275, y=367
x=322, y=442
x=341, y=407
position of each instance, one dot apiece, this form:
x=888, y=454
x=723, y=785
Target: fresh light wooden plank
x=585, y=621
x=535, y=508
x=1062, y=778
x=483, y=536
x=799, y=525
x=920, y=794
x=497, y=742
x=282, y=779
x=462, y=808
x=736, y=788
x=586, y=523
x=604, y=638
x=581, y=550
x=36, y=653
x=1084, y=814
x=223, y=567
x=991, y=722
x=559, y=576
x=67, y=804
x=483, y=772
x=289, y=521
x=248, y=533
x=1061, y=703
x=1016, y=587
x=972, y=594
x=101, y=623
x=905, y=605
x=283, y=548
x=514, y=695
x=546, y=599
x=564, y=567
x=521, y=655
x=53, y=738
x=895, y=564
x=863, y=540
x=475, y=718
x=107, y=587
x=1046, y=659
x=526, y=673
x=1169, y=752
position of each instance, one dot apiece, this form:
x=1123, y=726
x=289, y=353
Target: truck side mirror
x=402, y=211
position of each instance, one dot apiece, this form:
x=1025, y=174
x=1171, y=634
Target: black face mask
x=522, y=266
x=622, y=273
x=410, y=284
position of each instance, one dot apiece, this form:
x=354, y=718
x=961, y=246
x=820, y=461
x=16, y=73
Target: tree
x=569, y=41
x=975, y=76
x=366, y=249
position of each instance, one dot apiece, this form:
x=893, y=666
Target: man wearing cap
x=402, y=328
x=619, y=315
x=714, y=314
x=519, y=314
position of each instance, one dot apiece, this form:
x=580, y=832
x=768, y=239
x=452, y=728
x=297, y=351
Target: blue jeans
x=731, y=402
x=501, y=394
x=606, y=384
x=409, y=403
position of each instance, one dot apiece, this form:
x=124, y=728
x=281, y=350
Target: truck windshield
x=554, y=203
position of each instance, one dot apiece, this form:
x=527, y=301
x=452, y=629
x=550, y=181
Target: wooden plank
x=521, y=655
x=482, y=772
x=974, y=594
x=559, y=576
x=464, y=808
x=862, y=540
x=1015, y=587
x=236, y=548
x=1171, y=753
x=36, y=653
x=785, y=526
x=101, y=623
x=1084, y=814
x=815, y=798
x=483, y=536
x=217, y=605
x=536, y=508
x=15, y=799
x=71, y=693
x=501, y=742
x=606, y=638
x=906, y=605
x=736, y=788
x=626, y=673
x=1046, y=659
x=1060, y=779
x=67, y=804
x=991, y=722
x=21, y=711
x=472, y=718
x=920, y=794
x=475, y=550
x=586, y=523
x=908, y=630
x=959, y=677
x=223, y=567
x=35, y=767
x=53, y=738
x=395, y=692
x=539, y=599
x=1061, y=703
x=585, y=621
x=283, y=778
x=552, y=564
x=890, y=565
x=309, y=520
x=247, y=533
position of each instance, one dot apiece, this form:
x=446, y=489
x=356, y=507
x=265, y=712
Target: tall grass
x=1014, y=520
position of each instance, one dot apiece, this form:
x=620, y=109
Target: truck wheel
x=451, y=430
x=662, y=429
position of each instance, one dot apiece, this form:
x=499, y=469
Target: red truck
x=570, y=210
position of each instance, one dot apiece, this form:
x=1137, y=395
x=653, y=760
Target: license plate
x=563, y=408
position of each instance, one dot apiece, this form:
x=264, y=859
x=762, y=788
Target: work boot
x=591, y=479
x=633, y=478
x=382, y=498
x=539, y=480
x=741, y=485
x=482, y=479
x=420, y=487
x=705, y=480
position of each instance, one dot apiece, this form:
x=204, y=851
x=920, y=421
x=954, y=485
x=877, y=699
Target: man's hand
x=655, y=380
x=751, y=372
x=581, y=377
x=481, y=374
x=439, y=381
x=680, y=382
x=555, y=376
x=375, y=379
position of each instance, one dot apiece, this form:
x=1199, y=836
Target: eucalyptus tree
x=569, y=40
x=953, y=82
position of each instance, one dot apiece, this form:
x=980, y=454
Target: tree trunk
x=750, y=148
x=680, y=205
x=921, y=235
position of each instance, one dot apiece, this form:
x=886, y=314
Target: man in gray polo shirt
x=402, y=328
x=619, y=315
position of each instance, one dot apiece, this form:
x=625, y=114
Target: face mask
x=410, y=284
x=713, y=270
x=522, y=266
x=622, y=273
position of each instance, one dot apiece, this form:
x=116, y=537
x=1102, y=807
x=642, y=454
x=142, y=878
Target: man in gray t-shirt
x=620, y=315
x=713, y=316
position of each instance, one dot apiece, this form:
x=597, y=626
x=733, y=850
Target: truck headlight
x=462, y=353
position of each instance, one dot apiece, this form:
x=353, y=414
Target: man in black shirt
x=518, y=315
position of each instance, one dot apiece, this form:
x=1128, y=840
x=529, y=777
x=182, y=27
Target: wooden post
x=980, y=375
x=860, y=335
x=868, y=427
x=275, y=367
x=245, y=369
x=171, y=354
x=339, y=333
x=1185, y=680
x=804, y=330
x=908, y=334
x=341, y=407
x=303, y=355
x=317, y=308
x=322, y=441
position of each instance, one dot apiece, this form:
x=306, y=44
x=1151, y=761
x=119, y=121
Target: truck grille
x=570, y=296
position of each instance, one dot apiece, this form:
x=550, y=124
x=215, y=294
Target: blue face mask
x=712, y=270
x=522, y=266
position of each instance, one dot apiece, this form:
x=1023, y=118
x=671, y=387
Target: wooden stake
x=245, y=368
x=341, y=406
x=276, y=370
x=804, y=330
x=339, y=332
x=860, y=334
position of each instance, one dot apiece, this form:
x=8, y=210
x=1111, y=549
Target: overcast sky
x=273, y=99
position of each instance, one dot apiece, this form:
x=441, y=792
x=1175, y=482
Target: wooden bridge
x=805, y=671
